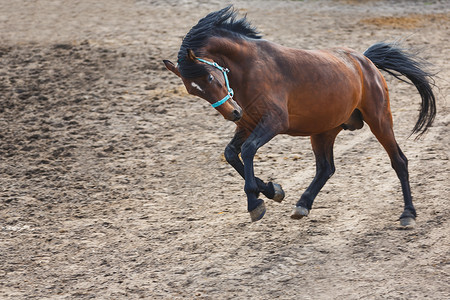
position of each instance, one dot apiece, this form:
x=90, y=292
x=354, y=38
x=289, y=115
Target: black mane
x=214, y=24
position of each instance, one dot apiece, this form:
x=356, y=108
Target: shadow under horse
x=272, y=89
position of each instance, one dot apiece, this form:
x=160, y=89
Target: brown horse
x=297, y=92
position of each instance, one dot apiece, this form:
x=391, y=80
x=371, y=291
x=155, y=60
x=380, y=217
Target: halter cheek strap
x=224, y=72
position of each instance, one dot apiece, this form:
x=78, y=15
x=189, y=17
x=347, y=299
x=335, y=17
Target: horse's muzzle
x=236, y=115
x=231, y=111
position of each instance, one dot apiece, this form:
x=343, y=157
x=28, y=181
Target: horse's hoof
x=258, y=212
x=299, y=212
x=279, y=193
x=407, y=222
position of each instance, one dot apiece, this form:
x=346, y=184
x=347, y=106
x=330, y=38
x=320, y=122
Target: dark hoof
x=408, y=222
x=408, y=218
x=279, y=193
x=258, y=212
x=299, y=212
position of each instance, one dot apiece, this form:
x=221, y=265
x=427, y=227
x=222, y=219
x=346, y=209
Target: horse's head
x=213, y=87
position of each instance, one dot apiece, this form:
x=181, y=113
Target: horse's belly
x=313, y=117
x=308, y=125
x=322, y=106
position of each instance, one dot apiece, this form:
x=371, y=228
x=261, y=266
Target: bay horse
x=272, y=89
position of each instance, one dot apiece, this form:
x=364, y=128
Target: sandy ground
x=113, y=183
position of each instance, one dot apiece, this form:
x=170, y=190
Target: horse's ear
x=191, y=55
x=171, y=67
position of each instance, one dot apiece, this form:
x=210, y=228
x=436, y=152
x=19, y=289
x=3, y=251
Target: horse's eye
x=210, y=78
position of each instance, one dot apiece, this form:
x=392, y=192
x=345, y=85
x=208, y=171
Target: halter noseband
x=224, y=72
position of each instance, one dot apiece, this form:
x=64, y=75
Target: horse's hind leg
x=322, y=145
x=381, y=126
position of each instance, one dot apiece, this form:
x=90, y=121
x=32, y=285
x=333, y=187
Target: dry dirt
x=113, y=183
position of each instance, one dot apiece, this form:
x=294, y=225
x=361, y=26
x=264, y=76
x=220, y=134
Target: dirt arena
x=113, y=183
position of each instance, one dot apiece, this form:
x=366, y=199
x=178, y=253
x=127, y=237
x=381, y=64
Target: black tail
x=397, y=62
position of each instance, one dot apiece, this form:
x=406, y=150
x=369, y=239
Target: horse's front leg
x=263, y=133
x=270, y=190
x=322, y=145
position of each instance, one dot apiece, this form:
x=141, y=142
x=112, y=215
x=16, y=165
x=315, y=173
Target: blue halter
x=224, y=72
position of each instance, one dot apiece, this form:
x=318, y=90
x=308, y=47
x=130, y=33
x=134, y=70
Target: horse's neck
x=233, y=51
x=236, y=55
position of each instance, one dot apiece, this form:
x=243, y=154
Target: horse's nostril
x=237, y=114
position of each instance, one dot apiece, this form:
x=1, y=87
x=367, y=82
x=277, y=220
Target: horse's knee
x=248, y=151
x=231, y=154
